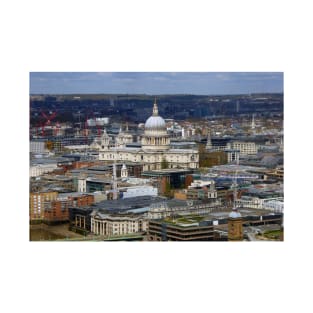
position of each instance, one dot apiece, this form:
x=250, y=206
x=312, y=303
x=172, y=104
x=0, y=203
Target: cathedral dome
x=155, y=136
x=155, y=122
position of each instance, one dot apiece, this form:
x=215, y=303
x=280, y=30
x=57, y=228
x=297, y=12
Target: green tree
x=168, y=190
x=164, y=163
x=49, y=145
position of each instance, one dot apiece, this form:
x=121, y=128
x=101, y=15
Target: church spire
x=253, y=122
x=209, y=141
x=155, y=108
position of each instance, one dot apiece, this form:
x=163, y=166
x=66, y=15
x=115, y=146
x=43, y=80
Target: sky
x=198, y=83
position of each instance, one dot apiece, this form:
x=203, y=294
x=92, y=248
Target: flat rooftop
x=219, y=216
x=128, y=203
x=167, y=171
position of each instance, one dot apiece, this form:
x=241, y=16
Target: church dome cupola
x=155, y=122
x=105, y=140
x=155, y=136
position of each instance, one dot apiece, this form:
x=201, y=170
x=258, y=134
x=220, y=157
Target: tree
x=164, y=163
x=168, y=190
x=49, y=145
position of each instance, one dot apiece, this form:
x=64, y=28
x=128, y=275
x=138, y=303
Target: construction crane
x=56, y=130
x=91, y=116
x=48, y=120
x=98, y=128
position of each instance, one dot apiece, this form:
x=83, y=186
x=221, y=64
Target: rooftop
x=219, y=216
x=128, y=203
x=166, y=171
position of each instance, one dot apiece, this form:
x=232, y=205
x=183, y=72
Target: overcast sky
x=203, y=83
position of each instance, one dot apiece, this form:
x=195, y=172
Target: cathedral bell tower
x=105, y=140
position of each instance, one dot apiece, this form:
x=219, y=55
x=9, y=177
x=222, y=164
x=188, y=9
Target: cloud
x=156, y=82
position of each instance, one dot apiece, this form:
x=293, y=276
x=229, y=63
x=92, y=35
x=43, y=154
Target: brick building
x=81, y=200
x=37, y=203
x=57, y=211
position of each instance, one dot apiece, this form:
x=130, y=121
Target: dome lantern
x=155, y=108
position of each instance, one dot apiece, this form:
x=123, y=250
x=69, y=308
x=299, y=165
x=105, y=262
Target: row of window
x=111, y=156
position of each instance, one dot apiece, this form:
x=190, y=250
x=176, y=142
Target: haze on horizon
x=156, y=83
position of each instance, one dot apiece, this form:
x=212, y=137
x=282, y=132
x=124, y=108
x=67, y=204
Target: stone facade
x=155, y=151
x=235, y=232
x=244, y=148
x=108, y=225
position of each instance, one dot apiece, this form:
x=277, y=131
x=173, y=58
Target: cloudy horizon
x=156, y=83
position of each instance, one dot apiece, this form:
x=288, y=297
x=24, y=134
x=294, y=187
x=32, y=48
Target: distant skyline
x=197, y=83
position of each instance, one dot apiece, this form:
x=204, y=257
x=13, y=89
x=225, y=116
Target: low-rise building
x=37, y=203
x=56, y=211
x=137, y=191
x=232, y=155
x=170, y=230
x=245, y=148
x=275, y=205
x=169, y=178
x=37, y=146
x=200, y=189
x=39, y=166
x=79, y=219
x=249, y=202
x=40, y=169
x=119, y=224
x=174, y=207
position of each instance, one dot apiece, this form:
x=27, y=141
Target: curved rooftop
x=155, y=122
